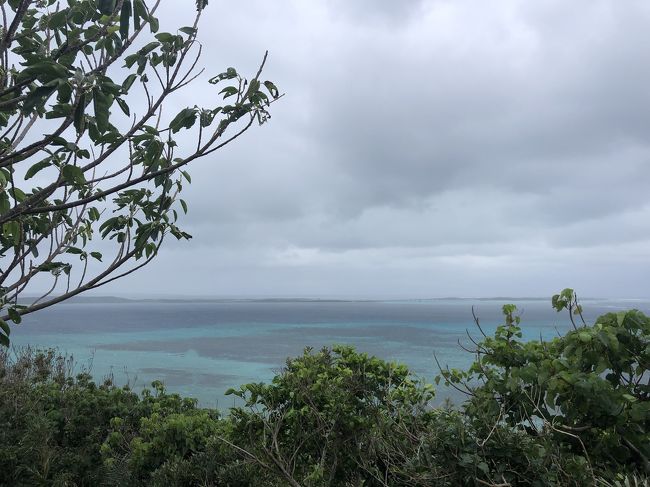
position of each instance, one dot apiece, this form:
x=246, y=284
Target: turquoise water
x=200, y=349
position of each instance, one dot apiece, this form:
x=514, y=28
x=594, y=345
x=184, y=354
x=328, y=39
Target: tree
x=100, y=167
x=319, y=422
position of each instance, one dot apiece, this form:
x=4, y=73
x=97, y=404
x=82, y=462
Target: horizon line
x=306, y=299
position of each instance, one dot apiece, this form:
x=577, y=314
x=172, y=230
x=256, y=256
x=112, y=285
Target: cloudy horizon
x=423, y=149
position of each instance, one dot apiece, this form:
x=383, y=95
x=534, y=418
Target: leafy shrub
x=317, y=418
x=571, y=411
x=52, y=423
x=588, y=389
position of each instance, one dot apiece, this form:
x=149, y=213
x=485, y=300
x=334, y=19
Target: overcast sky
x=423, y=148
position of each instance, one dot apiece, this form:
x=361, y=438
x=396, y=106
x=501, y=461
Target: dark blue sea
x=202, y=348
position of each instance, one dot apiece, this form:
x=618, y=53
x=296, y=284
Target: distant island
x=85, y=299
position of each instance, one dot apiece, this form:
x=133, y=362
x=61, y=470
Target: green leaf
x=38, y=96
x=207, y=116
x=629, y=398
x=73, y=174
x=5, y=327
x=125, y=18
x=185, y=119
x=128, y=82
x=273, y=90
x=93, y=214
x=5, y=205
x=165, y=37
x=190, y=31
x=14, y=315
x=4, y=340
x=11, y=229
x=58, y=19
x=18, y=194
x=253, y=87
x=59, y=111
x=97, y=255
x=31, y=172
x=184, y=205
x=44, y=71
x=567, y=293
x=102, y=103
x=139, y=12
x=150, y=249
x=65, y=92
x=123, y=106
x=148, y=48
x=106, y=7
x=93, y=133
x=154, y=25
x=229, y=91
x=131, y=60
x=79, y=120
x=154, y=151
x=584, y=336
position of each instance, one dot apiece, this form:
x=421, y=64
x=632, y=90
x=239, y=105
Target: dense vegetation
x=574, y=410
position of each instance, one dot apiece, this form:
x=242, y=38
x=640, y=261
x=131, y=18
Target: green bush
x=588, y=389
x=316, y=420
x=51, y=424
x=571, y=411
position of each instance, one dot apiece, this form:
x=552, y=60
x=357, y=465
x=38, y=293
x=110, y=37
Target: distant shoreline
x=202, y=300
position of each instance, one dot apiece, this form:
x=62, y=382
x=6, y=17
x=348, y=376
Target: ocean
x=201, y=348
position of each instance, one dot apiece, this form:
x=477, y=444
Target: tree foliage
x=86, y=149
x=572, y=411
x=589, y=389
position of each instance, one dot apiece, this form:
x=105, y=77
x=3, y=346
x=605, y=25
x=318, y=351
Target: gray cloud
x=493, y=149
x=372, y=11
